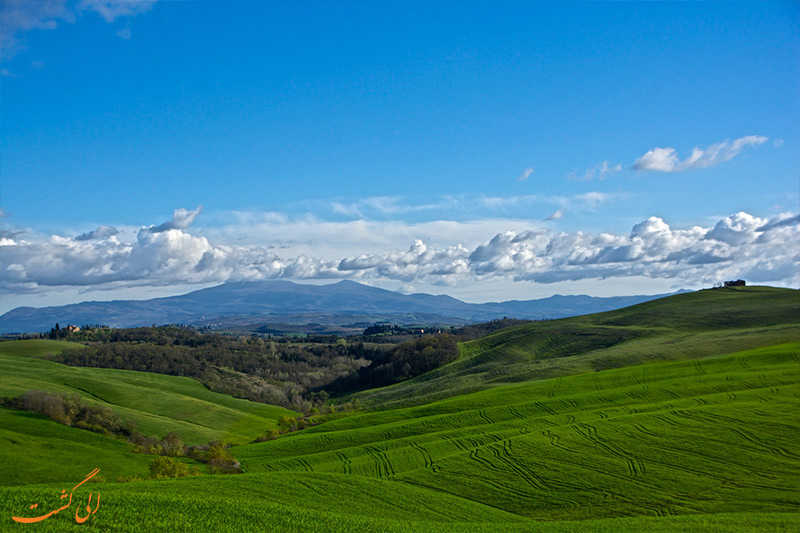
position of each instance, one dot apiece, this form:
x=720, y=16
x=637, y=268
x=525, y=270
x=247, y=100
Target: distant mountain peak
x=275, y=300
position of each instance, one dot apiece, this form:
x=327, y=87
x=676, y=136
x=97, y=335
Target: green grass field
x=685, y=326
x=36, y=449
x=672, y=421
x=157, y=403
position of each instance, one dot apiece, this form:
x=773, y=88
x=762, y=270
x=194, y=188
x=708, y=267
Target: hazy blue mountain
x=283, y=301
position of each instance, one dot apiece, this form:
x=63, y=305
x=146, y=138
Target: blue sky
x=520, y=143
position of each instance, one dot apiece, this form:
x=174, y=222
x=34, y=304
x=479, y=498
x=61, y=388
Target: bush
x=169, y=467
x=220, y=460
x=172, y=444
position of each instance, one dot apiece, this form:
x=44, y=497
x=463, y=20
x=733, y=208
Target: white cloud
x=181, y=219
x=666, y=159
x=525, y=174
x=100, y=233
x=386, y=205
x=737, y=246
x=556, y=215
x=18, y=17
x=600, y=171
x=111, y=10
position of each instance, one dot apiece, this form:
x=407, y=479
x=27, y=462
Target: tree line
x=279, y=372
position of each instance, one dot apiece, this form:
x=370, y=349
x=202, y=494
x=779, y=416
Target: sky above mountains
x=486, y=150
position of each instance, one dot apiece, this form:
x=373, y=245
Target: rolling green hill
x=685, y=326
x=37, y=449
x=675, y=415
x=157, y=403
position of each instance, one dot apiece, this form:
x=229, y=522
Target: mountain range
x=284, y=302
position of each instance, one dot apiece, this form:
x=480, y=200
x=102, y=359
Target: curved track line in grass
x=642, y=429
x=515, y=413
x=544, y=408
x=635, y=465
x=382, y=463
x=482, y=414
x=757, y=444
x=426, y=456
x=345, y=463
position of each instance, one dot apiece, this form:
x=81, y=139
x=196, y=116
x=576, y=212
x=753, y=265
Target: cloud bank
x=737, y=246
x=666, y=159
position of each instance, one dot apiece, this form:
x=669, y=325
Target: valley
x=677, y=414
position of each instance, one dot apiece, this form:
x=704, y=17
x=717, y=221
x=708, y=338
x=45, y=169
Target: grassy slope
x=686, y=326
x=681, y=446
x=157, y=403
x=35, y=449
x=715, y=436
x=684, y=438
x=321, y=503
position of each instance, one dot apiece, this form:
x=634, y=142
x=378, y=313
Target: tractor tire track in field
x=746, y=435
x=544, y=408
x=501, y=455
x=345, y=463
x=635, y=465
x=554, y=442
x=642, y=429
x=382, y=465
x=515, y=413
x=721, y=390
x=305, y=464
x=671, y=394
x=552, y=484
x=474, y=455
x=426, y=456
x=530, y=473
x=456, y=441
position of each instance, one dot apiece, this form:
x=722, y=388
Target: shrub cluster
x=69, y=410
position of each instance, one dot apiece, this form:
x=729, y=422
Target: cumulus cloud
x=101, y=232
x=18, y=17
x=181, y=219
x=525, y=174
x=600, y=171
x=737, y=246
x=667, y=160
